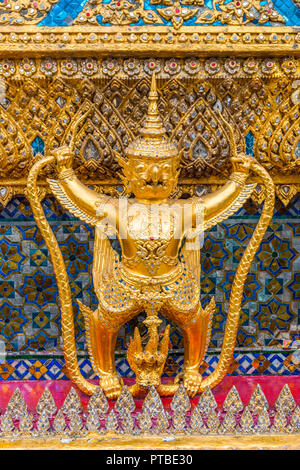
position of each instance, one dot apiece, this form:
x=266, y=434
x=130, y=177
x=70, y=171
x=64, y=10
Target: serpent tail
x=236, y=296
x=67, y=317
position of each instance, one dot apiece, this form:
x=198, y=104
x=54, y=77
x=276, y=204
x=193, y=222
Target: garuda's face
x=152, y=178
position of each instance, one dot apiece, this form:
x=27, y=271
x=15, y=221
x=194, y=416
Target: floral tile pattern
x=49, y=368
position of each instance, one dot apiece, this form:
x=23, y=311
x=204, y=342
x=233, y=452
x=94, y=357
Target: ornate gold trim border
x=154, y=40
x=136, y=68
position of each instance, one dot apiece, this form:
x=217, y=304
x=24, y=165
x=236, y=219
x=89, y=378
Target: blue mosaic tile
x=246, y=366
x=76, y=256
x=214, y=255
x=273, y=316
x=12, y=320
x=294, y=286
x=39, y=289
x=54, y=369
x=250, y=290
x=123, y=368
x=16, y=209
x=245, y=339
x=86, y=368
x=289, y=11
x=11, y=257
x=63, y=13
x=7, y=289
x=38, y=146
x=276, y=364
x=275, y=255
x=249, y=140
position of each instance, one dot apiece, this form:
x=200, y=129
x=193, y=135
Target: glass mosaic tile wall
x=268, y=335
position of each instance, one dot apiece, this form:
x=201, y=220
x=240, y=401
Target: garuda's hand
x=64, y=158
x=241, y=163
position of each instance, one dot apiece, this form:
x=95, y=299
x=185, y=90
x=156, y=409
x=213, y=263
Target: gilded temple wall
x=251, y=76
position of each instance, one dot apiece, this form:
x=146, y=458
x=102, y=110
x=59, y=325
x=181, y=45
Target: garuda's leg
x=101, y=332
x=196, y=329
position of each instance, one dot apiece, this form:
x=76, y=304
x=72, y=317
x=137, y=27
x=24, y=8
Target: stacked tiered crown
x=153, y=141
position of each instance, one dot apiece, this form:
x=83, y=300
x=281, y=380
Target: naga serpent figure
x=158, y=271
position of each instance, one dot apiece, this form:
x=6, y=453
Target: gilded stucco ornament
x=21, y=12
x=240, y=12
x=260, y=104
x=117, y=12
x=151, y=275
x=158, y=39
x=124, y=12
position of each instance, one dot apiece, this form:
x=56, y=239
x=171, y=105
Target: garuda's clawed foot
x=111, y=384
x=192, y=382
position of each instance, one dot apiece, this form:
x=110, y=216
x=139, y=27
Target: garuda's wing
x=191, y=255
x=191, y=248
x=69, y=204
x=104, y=254
x=104, y=257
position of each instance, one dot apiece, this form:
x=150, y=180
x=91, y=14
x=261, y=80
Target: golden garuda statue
x=159, y=268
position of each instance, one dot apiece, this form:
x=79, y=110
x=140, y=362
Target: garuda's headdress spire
x=153, y=140
x=153, y=126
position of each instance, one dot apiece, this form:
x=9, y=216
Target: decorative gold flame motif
x=73, y=420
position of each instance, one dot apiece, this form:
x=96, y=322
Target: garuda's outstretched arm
x=80, y=200
x=229, y=198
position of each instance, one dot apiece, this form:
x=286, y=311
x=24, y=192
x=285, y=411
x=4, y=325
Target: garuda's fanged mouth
x=150, y=184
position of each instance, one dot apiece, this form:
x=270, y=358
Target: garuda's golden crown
x=153, y=140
